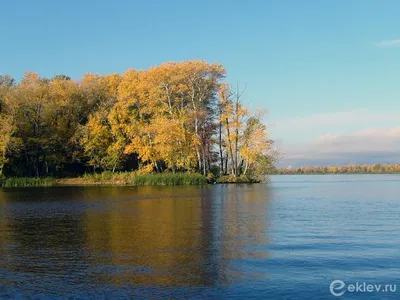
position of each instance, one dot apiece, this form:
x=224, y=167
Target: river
x=288, y=239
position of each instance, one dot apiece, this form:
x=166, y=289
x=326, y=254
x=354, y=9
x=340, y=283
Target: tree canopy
x=175, y=117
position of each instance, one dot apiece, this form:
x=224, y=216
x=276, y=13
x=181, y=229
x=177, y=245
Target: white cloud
x=373, y=145
x=339, y=138
x=369, y=140
x=388, y=43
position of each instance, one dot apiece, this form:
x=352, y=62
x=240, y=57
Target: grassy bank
x=105, y=178
x=125, y=178
x=170, y=179
x=240, y=179
x=135, y=179
x=27, y=182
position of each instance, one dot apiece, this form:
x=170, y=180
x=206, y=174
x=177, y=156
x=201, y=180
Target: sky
x=326, y=71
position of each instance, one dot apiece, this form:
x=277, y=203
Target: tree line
x=350, y=169
x=173, y=117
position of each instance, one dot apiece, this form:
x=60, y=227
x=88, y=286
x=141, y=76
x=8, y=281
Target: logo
x=337, y=288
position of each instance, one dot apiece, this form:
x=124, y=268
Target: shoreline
x=131, y=179
x=157, y=179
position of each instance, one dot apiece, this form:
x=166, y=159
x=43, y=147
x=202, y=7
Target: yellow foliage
x=163, y=118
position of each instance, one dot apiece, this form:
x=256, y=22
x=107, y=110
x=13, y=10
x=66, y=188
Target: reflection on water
x=289, y=239
x=62, y=240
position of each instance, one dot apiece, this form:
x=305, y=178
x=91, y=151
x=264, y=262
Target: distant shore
x=349, y=169
x=287, y=174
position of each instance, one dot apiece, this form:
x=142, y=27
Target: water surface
x=288, y=239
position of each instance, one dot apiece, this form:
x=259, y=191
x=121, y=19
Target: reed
x=239, y=179
x=169, y=179
x=27, y=182
x=135, y=178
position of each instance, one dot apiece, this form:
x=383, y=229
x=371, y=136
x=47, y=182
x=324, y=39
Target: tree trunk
x=226, y=163
x=230, y=147
x=204, y=161
x=221, y=171
x=157, y=168
x=36, y=165
x=237, y=135
x=246, y=167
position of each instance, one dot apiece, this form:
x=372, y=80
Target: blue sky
x=320, y=68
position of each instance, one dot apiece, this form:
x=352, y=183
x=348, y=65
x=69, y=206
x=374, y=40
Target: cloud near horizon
x=388, y=43
x=370, y=146
x=307, y=128
x=356, y=137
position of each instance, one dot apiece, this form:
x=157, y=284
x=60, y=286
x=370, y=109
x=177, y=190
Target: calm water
x=285, y=240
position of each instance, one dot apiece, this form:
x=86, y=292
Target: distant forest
x=349, y=169
x=174, y=117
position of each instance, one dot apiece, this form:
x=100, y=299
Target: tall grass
x=27, y=182
x=170, y=179
x=239, y=179
x=126, y=178
x=135, y=178
x=107, y=177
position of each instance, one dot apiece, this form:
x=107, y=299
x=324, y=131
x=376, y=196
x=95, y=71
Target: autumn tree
x=244, y=145
x=6, y=85
x=165, y=113
x=98, y=139
x=173, y=117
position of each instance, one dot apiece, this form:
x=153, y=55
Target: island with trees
x=177, y=123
